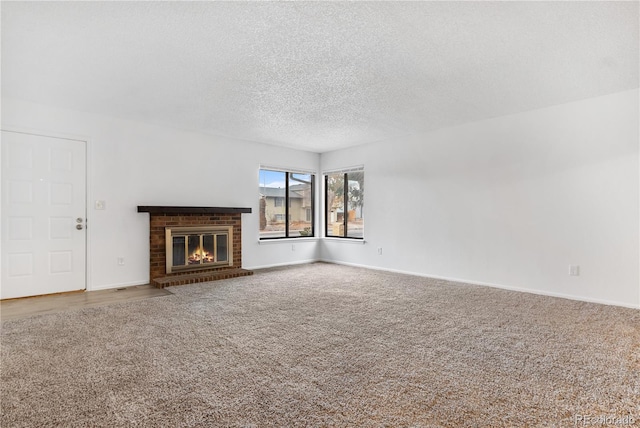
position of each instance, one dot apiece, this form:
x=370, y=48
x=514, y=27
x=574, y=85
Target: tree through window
x=344, y=201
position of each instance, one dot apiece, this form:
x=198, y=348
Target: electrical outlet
x=120, y=261
x=293, y=247
x=574, y=270
x=379, y=251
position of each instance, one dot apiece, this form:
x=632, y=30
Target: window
x=286, y=204
x=344, y=199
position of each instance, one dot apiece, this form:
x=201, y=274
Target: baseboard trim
x=122, y=284
x=488, y=284
x=299, y=262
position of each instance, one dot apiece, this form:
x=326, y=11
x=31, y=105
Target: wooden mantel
x=160, y=209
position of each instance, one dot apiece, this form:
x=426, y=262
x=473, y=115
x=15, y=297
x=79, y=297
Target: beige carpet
x=323, y=345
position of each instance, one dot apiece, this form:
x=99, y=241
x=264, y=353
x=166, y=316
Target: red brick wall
x=157, y=241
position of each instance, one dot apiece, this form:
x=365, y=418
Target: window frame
x=345, y=216
x=287, y=203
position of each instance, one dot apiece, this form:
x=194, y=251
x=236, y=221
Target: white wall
x=131, y=164
x=511, y=201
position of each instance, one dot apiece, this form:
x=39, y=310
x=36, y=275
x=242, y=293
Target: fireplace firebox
x=194, y=248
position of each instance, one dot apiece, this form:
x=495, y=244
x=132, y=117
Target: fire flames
x=200, y=255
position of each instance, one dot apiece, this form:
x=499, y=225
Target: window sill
x=287, y=240
x=345, y=240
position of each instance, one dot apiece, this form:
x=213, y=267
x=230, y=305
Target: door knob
x=79, y=220
x=79, y=226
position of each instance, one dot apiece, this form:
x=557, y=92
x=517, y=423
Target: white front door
x=43, y=215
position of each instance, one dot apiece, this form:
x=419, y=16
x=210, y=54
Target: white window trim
x=345, y=240
x=343, y=170
x=285, y=169
x=286, y=240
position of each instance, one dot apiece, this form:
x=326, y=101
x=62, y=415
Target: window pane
x=194, y=249
x=355, y=219
x=179, y=258
x=300, y=200
x=280, y=212
x=345, y=218
x=335, y=204
x=272, y=208
x=207, y=249
x=221, y=248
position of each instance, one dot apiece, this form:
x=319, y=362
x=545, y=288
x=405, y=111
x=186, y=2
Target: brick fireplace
x=166, y=218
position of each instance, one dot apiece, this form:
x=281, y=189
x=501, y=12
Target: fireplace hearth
x=194, y=244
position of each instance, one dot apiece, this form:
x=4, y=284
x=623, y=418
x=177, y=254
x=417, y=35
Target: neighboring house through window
x=286, y=204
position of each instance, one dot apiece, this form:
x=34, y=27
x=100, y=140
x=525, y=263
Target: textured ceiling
x=316, y=75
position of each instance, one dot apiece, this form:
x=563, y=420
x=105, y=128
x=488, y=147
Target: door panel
x=43, y=215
